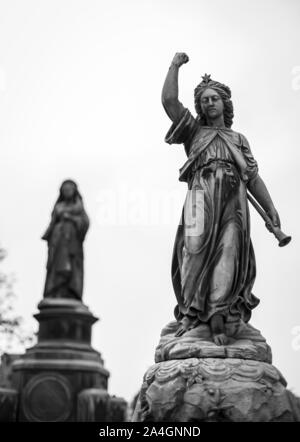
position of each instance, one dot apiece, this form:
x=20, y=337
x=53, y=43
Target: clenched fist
x=179, y=59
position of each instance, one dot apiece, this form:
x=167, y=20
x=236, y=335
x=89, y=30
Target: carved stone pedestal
x=95, y=405
x=52, y=374
x=195, y=380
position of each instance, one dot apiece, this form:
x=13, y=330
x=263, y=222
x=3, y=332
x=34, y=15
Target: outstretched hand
x=180, y=58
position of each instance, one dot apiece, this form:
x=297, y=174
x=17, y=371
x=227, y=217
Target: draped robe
x=213, y=264
x=65, y=250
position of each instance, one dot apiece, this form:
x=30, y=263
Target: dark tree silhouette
x=13, y=334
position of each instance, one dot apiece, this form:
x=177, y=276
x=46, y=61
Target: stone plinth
x=51, y=374
x=245, y=342
x=194, y=380
x=95, y=405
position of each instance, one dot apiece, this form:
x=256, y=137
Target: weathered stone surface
x=195, y=380
x=215, y=389
x=93, y=405
x=96, y=405
x=245, y=342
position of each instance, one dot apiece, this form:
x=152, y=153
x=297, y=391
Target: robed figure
x=213, y=268
x=65, y=236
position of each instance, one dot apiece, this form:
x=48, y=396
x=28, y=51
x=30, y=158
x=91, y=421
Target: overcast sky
x=80, y=85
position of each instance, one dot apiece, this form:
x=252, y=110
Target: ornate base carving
x=95, y=405
x=198, y=390
x=194, y=380
x=245, y=342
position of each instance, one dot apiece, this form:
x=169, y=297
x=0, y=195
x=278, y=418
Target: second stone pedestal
x=50, y=375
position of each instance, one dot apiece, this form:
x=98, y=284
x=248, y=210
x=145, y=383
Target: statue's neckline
x=216, y=128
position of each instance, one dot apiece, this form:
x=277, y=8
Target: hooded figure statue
x=65, y=236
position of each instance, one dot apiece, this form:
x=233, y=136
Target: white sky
x=80, y=85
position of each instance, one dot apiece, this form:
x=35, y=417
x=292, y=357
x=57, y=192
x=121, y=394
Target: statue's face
x=211, y=104
x=68, y=191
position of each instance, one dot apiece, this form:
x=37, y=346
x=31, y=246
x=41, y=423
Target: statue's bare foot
x=217, y=328
x=180, y=331
x=220, y=339
x=186, y=324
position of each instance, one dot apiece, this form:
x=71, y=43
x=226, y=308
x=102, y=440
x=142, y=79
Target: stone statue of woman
x=213, y=268
x=65, y=236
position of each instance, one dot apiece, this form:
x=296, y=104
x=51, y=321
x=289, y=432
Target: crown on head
x=206, y=78
x=207, y=81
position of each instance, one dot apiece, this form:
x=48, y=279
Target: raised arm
x=169, y=96
x=260, y=192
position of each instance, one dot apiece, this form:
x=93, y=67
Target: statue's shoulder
x=239, y=138
x=58, y=207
